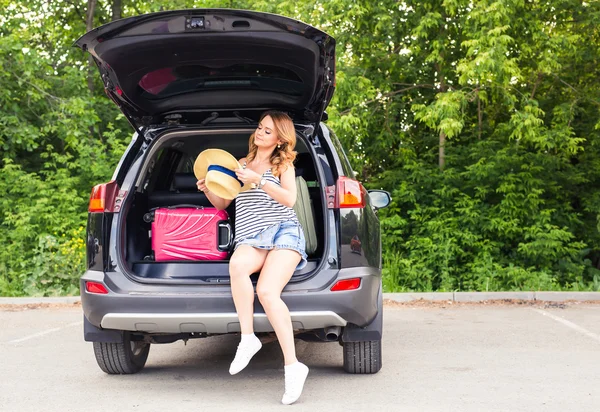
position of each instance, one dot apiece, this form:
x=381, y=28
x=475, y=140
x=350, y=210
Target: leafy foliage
x=481, y=118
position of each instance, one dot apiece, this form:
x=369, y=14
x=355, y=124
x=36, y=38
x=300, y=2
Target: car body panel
x=95, y=242
x=177, y=307
x=357, y=226
x=155, y=64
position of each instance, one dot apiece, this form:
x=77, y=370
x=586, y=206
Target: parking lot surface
x=436, y=357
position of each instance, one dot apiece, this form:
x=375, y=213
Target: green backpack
x=304, y=210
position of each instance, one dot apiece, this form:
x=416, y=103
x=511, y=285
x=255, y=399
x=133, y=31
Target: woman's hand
x=248, y=176
x=215, y=200
x=201, y=184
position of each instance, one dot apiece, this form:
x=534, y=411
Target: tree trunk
x=91, y=8
x=479, y=116
x=117, y=9
x=442, y=150
x=442, y=159
x=443, y=88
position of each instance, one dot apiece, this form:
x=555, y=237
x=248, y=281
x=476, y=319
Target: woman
x=269, y=239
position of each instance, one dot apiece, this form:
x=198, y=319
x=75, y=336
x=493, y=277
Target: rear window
x=346, y=167
x=171, y=81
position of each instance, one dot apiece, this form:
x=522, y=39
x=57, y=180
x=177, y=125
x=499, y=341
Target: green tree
x=481, y=118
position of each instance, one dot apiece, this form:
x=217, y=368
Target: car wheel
x=362, y=357
x=121, y=358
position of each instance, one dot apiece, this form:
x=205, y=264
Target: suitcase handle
x=227, y=226
x=149, y=217
x=185, y=205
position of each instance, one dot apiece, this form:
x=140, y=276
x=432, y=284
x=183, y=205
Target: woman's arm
x=215, y=200
x=284, y=194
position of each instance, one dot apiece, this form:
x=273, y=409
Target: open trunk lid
x=189, y=61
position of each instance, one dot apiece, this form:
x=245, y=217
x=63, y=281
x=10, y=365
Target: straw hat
x=217, y=167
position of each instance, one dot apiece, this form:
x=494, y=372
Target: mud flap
x=373, y=331
x=93, y=334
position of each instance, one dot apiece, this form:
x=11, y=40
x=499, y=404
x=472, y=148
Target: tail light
x=103, y=197
x=346, y=284
x=96, y=287
x=347, y=193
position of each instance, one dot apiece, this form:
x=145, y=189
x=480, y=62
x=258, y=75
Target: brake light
x=346, y=284
x=350, y=193
x=103, y=196
x=95, y=287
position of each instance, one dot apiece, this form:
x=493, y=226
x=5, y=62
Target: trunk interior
x=167, y=179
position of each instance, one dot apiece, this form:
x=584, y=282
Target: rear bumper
x=210, y=309
x=211, y=322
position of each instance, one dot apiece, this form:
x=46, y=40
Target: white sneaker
x=245, y=351
x=295, y=376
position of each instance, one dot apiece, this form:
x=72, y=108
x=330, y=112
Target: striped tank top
x=255, y=211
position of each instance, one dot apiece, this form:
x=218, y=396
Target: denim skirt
x=283, y=235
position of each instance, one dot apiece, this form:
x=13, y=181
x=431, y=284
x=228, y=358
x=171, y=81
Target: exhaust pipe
x=332, y=332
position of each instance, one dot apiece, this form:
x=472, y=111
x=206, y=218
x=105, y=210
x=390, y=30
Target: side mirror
x=380, y=198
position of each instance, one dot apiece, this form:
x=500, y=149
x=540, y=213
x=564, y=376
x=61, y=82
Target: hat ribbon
x=226, y=171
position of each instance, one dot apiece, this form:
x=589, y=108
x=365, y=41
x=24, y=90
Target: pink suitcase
x=190, y=233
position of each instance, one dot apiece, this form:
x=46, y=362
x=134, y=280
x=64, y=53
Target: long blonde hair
x=284, y=156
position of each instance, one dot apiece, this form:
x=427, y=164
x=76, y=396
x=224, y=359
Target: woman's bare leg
x=275, y=274
x=245, y=261
x=277, y=271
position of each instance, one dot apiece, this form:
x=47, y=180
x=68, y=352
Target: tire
x=362, y=357
x=122, y=358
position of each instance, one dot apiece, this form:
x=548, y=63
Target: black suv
x=195, y=79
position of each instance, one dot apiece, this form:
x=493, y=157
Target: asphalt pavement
x=438, y=356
